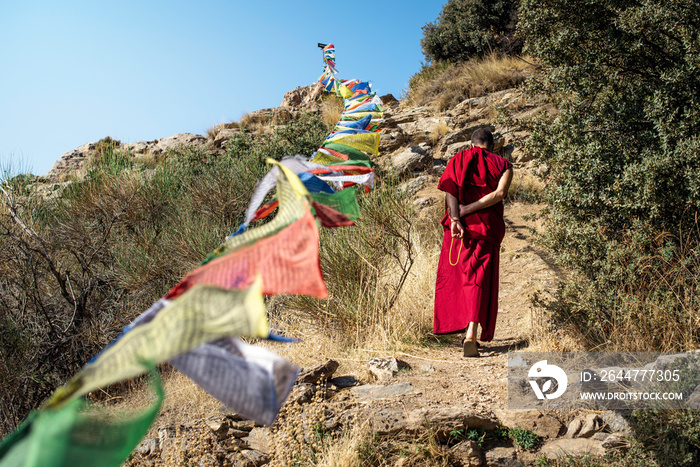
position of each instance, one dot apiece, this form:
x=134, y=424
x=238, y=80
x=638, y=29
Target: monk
x=466, y=291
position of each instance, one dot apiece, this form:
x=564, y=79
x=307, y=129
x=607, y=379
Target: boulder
x=259, y=439
x=406, y=116
x=71, y=161
x=177, y=140
x=453, y=149
x=389, y=100
x=415, y=158
x=344, y=381
x=563, y=448
x=223, y=135
x=303, y=97
x=693, y=401
x=420, y=204
x=256, y=458
x=392, y=139
x=573, y=428
x=615, y=421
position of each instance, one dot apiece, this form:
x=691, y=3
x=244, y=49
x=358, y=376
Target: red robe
x=466, y=289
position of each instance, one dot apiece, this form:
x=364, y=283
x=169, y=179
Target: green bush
x=622, y=178
x=471, y=28
x=90, y=258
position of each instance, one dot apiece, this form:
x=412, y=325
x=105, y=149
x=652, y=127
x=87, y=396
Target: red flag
x=329, y=217
x=287, y=261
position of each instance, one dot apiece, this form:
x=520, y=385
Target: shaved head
x=483, y=138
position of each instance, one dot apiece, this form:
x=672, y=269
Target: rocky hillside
x=430, y=406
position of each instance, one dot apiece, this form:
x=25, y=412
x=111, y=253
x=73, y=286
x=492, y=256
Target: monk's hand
x=456, y=228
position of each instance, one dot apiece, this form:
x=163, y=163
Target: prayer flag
x=203, y=314
x=76, y=435
x=288, y=263
x=250, y=380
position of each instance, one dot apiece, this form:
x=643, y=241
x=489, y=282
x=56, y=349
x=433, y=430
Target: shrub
x=523, y=439
x=622, y=181
x=443, y=85
x=471, y=28
x=77, y=267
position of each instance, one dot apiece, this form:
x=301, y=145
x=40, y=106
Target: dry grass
x=402, y=328
x=442, y=86
x=525, y=187
x=439, y=130
x=345, y=452
x=332, y=108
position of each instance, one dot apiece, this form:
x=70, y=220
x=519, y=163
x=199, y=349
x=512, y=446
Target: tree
x=623, y=181
x=471, y=28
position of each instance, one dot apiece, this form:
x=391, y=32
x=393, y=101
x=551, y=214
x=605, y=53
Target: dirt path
x=441, y=376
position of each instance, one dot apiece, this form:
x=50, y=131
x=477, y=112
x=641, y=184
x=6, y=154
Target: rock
x=147, y=447
x=318, y=373
x=390, y=140
x=388, y=99
x=415, y=185
x=615, y=441
x=176, y=141
x=507, y=152
x=542, y=425
x=371, y=392
x=303, y=97
x=615, y=421
x=244, y=425
x=411, y=159
x=427, y=368
x=453, y=149
x=578, y=447
x=232, y=432
x=301, y=394
x=223, y=135
x=501, y=457
x=407, y=116
x=383, y=369
x=590, y=425
x=464, y=135
x=573, y=428
x=467, y=454
x=257, y=458
x=422, y=203
x=71, y=161
x=405, y=423
x=260, y=440
x=344, y=381
x=693, y=401
x=219, y=427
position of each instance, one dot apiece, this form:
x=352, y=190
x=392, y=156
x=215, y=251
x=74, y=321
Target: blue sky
x=73, y=72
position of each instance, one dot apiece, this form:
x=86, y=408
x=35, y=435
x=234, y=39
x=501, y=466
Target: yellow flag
x=366, y=142
x=202, y=314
